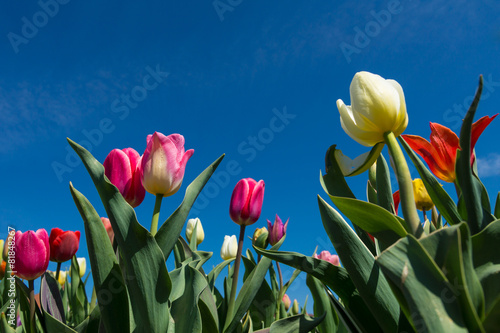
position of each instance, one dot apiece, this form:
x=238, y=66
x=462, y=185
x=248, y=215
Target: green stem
x=58, y=270
x=232, y=297
x=278, y=302
x=405, y=185
x=156, y=214
x=31, y=286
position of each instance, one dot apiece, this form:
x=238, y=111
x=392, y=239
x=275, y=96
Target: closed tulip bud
x=2, y=243
x=327, y=256
x=246, y=201
x=286, y=302
x=422, y=199
x=260, y=237
x=3, y=265
x=200, y=234
x=63, y=244
x=122, y=167
x=377, y=107
x=229, y=247
x=295, y=308
x=163, y=163
x=82, y=267
x=32, y=254
x=276, y=230
x=62, y=278
x=109, y=228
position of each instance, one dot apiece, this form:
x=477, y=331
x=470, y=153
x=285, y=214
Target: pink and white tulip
x=122, y=167
x=32, y=254
x=163, y=163
x=246, y=201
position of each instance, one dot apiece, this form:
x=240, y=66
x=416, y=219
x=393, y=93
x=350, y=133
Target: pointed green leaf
x=361, y=163
x=297, y=324
x=322, y=305
x=50, y=298
x=384, y=189
x=4, y=325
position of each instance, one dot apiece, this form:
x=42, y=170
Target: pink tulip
x=122, y=167
x=286, y=302
x=163, y=163
x=327, y=256
x=246, y=201
x=63, y=244
x=109, y=228
x=32, y=254
x=276, y=230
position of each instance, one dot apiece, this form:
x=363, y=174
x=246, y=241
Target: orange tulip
x=441, y=152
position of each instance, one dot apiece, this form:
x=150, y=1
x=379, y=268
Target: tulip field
x=411, y=260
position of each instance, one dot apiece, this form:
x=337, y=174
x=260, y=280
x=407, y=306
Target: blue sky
x=228, y=74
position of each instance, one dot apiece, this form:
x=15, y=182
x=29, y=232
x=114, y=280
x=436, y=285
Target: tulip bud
x=295, y=308
x=246, y=201
x=32, y=254
x=327, y=256
x=63, y=244
x=229, y=247
x=2, y=269
x=422, y=199
x=260, y=238
x=200, y=234
x=109, y=228
x=286, y=302
x=122, y=167
x=276, y=230
x=377, y=107
x=163, y=163
x=62, y=277
x=82, y=267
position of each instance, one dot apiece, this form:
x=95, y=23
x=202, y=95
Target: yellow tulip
x=422, y=199
x=62, y=278
x=378, y=106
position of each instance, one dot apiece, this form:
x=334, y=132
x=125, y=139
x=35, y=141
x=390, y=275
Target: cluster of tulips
x=436, y=273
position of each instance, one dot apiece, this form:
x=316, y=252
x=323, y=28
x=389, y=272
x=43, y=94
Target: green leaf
x=54, y=325
x=360, y=263
x=4, y=325
x=147, y=282
x=212, y=276
x=295, y=324
x=432, y=305
x=50, y=298
x=497, y=206
x=322, y=305
x=111, y=291
x=208, y=312
x=443, y=202
x=361, y=163
x=171, y=229
x=384, y=189
x=372, y=218
x=78, y=302
x=346, y=322
x=91, y=323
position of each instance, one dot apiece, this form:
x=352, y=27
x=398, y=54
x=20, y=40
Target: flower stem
x=156, y=214
x=31, y=286
x=234, y=284
x=405, y=185
x=58, y=270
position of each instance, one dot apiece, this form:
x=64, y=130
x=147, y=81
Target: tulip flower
x=377, y=107
x=295, y=308
x=260, y=237
x=63, y=244
x=246, y=201
x=286, y=301
x=82, y=267
x=229, y=247
x=422, y=199
x=441, y=152
x=163, y=163
x=327, y=256
x=32, y=254
x=109, y=228
x=2, y=269
x=276, y=230
x=200, y=234
x=122, y=167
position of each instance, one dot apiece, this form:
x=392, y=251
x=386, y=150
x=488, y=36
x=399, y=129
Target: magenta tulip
x=327, y=256
x=32, y=253
x=246, y=201
x=122, y=167
x=276, y=230
x=63, y=244
x=163, y=163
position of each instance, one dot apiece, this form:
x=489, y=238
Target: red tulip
x=122, y=167
x=109, y=228
x=246, y=201
x=63, y=244
x=276, y=230
x=441, y=152
x=163, y=163
x=32, y=253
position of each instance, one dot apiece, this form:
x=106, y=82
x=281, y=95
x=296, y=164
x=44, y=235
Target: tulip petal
x=360, y=164
x=239, y=199
x=118, y=170
x=396, y=199
x=446, y=143
x=32, y=253
x=256, y=200
x=478, y=127
x=402, y=119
